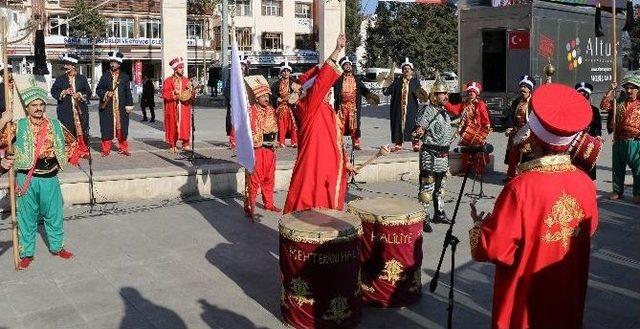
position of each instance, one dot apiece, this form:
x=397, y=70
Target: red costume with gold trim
x=263, y=122
x=539, y=233
x=475, y=114
x=177, y=112
x=319, y=177
x=286, y=122
x=539, y=240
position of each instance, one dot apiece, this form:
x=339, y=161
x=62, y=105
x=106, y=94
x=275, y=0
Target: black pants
x=152, y=109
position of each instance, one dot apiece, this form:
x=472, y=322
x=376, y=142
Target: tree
x=353, y=20
x=202, y=7
x=634, y=35
x=87, y=22
x=427, y=34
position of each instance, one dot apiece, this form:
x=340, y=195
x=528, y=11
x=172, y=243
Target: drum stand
x=450, y=240
x=479, y=195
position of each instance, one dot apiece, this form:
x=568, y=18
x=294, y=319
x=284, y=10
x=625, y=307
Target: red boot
x=273, y=208
x=64, y=254
x=106, y=147
x=24, y=263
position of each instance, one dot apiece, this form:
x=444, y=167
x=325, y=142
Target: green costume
x=43, y=196
x=626, y=152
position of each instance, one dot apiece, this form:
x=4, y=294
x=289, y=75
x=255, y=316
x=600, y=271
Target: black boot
x=153, y=114
x=441, y=218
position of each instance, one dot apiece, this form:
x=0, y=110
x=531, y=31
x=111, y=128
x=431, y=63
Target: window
x=271, y=7
x=305, y=42
x=303, y=10
x=243, y=7
x=150, y=29
x=57, y=27
x=194, y=30
x=243, y=35
x=119, y=27
x=245, y=39
x=272, y=41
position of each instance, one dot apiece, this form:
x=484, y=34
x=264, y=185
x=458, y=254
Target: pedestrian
x=264, y=130
x=42, y=147
x=72, y=92
x=517, y=117
x=349, y=91
x=116, y=102
x=319, y=178
x=539, y=233
x=212, y=81
x=433, y=127
x=626, y=136
x=595, y=127
x=280, y=91
x=178, y=96
x=147, y=99
x=404, y=92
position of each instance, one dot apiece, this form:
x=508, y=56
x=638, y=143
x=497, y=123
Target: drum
x=585, y=151
x=320, y=269
x=473, y=134
x=391, y=250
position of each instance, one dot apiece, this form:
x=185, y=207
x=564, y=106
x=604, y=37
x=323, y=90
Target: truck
x=498, y=45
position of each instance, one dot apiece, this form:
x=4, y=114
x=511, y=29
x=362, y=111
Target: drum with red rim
x=320, y=269
x=472, y=134
x=391, y=250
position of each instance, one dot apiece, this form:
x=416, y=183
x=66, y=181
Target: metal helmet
x=439, y=86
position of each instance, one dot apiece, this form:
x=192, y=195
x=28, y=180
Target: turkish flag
x=519, y=40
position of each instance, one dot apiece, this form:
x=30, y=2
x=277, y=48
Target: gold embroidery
x=393, y=270
x=564, y=211
x=474, y=238
x=588, y=151
x=338, y=311
x=367, y=288
x=548, y=164
x=301, y=292
x=416, y=286
x=283, y=299
x=359, y=286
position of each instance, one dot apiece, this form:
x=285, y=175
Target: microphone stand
x=92, y=197
x=450, y=240
x=481, y=194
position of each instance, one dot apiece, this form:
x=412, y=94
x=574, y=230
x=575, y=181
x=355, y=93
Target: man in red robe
x=177, y=94
x=539, y=234
x=474, y=117
x=264, y=132
x=319, y=178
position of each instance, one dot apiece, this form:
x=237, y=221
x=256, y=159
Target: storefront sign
x=71, y=41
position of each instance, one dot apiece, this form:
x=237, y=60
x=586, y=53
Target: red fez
x=559, y=114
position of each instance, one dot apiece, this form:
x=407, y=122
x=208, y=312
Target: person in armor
x=280, y=91
x=264, y=131
x=433, y=128
x=517, y=117
x=349, y=91
x=625, y=126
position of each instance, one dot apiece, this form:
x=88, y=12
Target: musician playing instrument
x=349, y=91
x=280, y=92
x=72, y=92
x=517, y=117
x=178, y=95
x=116, y=103
x=474, y=125
x=264, y=130
x=405, y=92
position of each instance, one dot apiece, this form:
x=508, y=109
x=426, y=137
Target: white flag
x=240, y=111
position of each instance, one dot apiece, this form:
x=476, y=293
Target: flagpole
x=12, y=173
x=614, y=39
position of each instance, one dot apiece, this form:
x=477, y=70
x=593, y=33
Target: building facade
x=268, y=31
